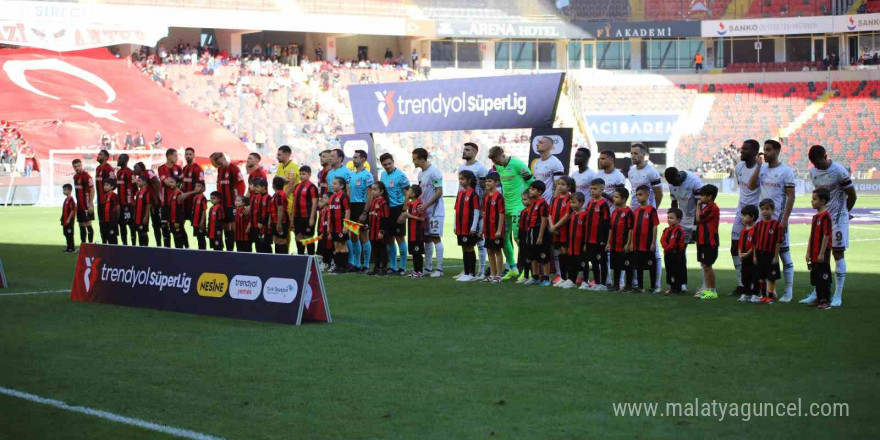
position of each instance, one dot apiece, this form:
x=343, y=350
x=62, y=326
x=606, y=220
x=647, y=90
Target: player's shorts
x=840, y=233
x=143, y=228
x=397, y=229
x=285, y=230
x=434, y=226
x=99, y=208
x=621, y=260
x=84, y=216
x=228, y=215
x=736, y=231
x=493, y=243
x=766, y=269
x=165, y=216
x=126, y=214
x=560, y=238
x=356, y=210
x=217, y=244
x=468, y=240
x=707, y=255
x=543, y=252
x=643, y=260
x=820, y=277
x=416, y=247
x=339, y=236
x=110, y=228
x=596, y=254
x=301, y=227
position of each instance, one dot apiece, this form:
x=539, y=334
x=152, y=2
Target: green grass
x=432, y=359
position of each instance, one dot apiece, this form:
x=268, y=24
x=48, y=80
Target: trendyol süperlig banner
x=517, y=101
x=360, y=141
x=561, y=145
x=262, y=287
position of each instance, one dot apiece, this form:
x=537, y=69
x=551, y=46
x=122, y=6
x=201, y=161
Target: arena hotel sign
x=500, y=30
x=767, y=26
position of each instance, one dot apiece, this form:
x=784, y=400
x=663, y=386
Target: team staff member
x=361, y=179
x=395, y=184
x=230, y=184
x=515, y=178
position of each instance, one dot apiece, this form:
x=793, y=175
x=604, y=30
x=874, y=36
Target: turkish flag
x=68, y=100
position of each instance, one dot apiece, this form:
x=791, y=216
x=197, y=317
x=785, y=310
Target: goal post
x=59, y=169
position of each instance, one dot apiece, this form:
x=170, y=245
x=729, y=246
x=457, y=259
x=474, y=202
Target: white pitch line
x=35, y=293
x=165, y=429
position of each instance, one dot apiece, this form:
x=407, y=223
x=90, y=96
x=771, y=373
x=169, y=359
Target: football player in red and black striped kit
x=109, y=212
x=577, y=241
x=126, y=188
x=215, y=222
x=176, y=213
x=620, y=240
x=644, y=239
x=68, y=215
x=415, y=229
x=539, y=240
x=230, y=184
x=819, y=249
x=305, y=209
x=769, y=236
x=167, y=171
x=673, y=243
x=84, y=188
x=103, y=172
x=243, y=240
x=597, y=224
x=193, y=174
x=259, y=217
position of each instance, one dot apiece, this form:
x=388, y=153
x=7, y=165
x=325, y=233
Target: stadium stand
x=791, y=8
x=790, y=66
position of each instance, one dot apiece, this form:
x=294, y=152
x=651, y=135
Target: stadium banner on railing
x=856, y=23
x=561, y=145
x=63, y=37
x=766, y=26
x=499, y=102
x=631, y=128
x=285, y=289
x=636, y=29
x=361, y=141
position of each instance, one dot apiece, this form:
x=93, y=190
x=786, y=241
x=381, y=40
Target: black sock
x=639, y=278
x=123, y=236
x=418, y=262
x=281, y=249
x=82, y=234
x=200, y=239
x=616, y=280
x=652, y=274
x=143, y=239
x=341, y=260
x=300, y=248
x=91, y=233
x=574, y=268
x=229, y=239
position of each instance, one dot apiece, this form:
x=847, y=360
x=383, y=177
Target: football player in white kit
x=431, y=181
x=548, y=168
x=643, y=173
x=777, y=184
x=748, y=182
x=469, y=155
x=613, y=179
x=684, y=190
x=834, y=177
x=584, y=175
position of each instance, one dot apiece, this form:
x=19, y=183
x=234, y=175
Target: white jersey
x=430, y=179
x=480, y=171
x=548, y=171
x=582, y=181
x=835, y=179
x=613, y=180
x=743, y=174
x=647, y=176
x=774, y=181
x=686, y=195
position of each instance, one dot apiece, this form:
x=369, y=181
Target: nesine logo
x=212, y=284
x=721, y=29
x=386, y=106
x=280, y=290
x=245, y=287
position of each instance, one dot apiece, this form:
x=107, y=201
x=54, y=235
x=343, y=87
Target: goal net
x=59, y=169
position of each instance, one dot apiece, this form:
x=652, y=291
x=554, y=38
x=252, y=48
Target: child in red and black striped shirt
x=707, y=220
x=560, y=213
x=493, y=225
x=379, y=222
x=769, y=236
x=215, y=222
x=597, y=224
x=467, y=218
x=242, y=223
x=673, y=244
x=522, y=242
x=109, y=212
x=199, y=214
x=176, y=212
x=748, y=255
x=620, y=240
x=644, y=240
x=577, y=241
x=819, y=249
x=68, y=215
x=415, y=229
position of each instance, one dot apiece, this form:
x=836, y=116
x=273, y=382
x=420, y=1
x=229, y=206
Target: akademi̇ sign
x=766, y=26
x=263, y=287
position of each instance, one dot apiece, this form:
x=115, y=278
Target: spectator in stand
x=389, y=55
x=319, y=53
x=415, y=59
x=140, y=142
x=157, y=141
x=698, y=62
x=826, y=63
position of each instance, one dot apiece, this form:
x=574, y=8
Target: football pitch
x=436, y=359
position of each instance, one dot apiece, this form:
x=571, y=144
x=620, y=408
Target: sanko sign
x=857, y=23
x=518, y=101
x=766, y=26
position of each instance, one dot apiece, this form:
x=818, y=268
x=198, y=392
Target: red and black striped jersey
x=165, y=172
x=622, y=222
x=82, y=184
x=102, y=173
x=192, y=174
x=125, y=186
x=177, y=212
x=820, y=230
x=768, y=234
x=324, y=223
x=493, y=207
x=379, y=216
x=598, y=221
x=672, y=239
x=215, y=221
x=304, y=195
x=748, y=239
x=142, y=201
x=242, y=218
x=230, y=183
x=68, y=207
x=415, y=230
x=200, y=206
x=466, y=205
x=151, y=178
x=707, y=227
x=257, y=214
x=559, y=208
x=279, y=199
x=323, y=186
x=109, y=204
x=338, y=205
x=258, y=173
x=538, y=210
x=523, y=221
x=577, y=233
x=644, y=220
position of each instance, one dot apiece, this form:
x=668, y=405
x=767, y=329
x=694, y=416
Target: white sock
x=787, y=271
x=556, y=262
x=839, y=276
x=659, y=267
x=439, y=247
x=609, y=272
x=429, y=256
x=738, y=264
x=481, y=268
